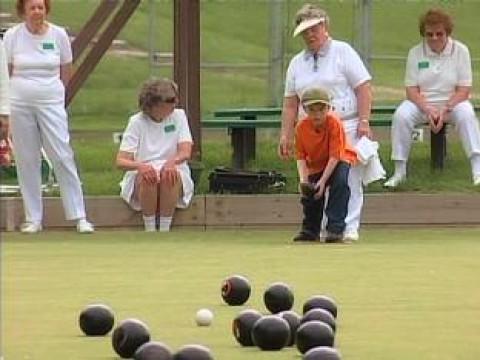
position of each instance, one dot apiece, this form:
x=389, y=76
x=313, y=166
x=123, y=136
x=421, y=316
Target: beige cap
x=305, y=24
x=309, y=15
x=314, y=96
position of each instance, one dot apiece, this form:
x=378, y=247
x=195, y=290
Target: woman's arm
x=65, y=73
x=363, y=93
x=289, y=115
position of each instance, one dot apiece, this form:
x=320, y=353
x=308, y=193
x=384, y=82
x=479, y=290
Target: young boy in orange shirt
x=323, y=161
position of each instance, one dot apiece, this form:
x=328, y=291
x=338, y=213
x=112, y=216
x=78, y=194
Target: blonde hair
x=309, y=11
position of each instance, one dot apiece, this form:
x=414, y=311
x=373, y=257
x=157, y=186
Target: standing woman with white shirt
x=333, y=65
x=39, y=57
x=4, y=108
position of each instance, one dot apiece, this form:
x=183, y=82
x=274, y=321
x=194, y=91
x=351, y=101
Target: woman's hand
x=169, y=172
x=364, y=129
x=285, y=148
x=148, y=173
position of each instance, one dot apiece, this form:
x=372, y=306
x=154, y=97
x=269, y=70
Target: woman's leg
x=169, y=193
x=26, y=148
x=147, y=195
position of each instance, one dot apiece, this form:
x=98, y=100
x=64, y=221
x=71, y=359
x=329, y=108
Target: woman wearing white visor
x=333, y=65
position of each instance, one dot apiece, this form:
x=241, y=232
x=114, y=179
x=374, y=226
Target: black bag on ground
x=226, y=180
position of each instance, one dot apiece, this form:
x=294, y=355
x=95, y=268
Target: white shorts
x=127, y=186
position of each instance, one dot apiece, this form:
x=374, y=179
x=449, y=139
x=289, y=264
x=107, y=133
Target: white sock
x=475, y=162
x=400, y=168
x=149, y=222
x=164, y=224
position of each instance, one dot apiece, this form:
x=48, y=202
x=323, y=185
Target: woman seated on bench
x=154, y=150
x=438, y=83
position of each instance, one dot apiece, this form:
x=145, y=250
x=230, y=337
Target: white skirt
x=127, y=186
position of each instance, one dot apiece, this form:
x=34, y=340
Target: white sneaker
x=351, y=235
x=394, y=181
x=476, y=180
x=30, y=228
x=85, y=227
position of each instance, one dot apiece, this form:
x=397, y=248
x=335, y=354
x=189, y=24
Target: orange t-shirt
x=317, y=146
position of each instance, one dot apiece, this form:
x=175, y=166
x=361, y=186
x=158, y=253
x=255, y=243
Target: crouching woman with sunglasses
x=154, y=151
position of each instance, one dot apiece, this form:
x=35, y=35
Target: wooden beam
x=98, y=50
x=187, y=64
x=93, y=25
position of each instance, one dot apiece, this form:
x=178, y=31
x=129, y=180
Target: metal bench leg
x=238, y=144
x=438, y=149
x=250, y=140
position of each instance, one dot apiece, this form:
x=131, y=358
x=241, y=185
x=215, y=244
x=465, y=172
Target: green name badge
x=169, y=128
x=48, y=46
x=423, y=65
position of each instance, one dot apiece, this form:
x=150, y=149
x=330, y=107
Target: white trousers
x=34, y=127
x=355, y=203
x=408, y=115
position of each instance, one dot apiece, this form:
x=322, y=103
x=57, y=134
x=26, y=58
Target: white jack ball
x=204, y=317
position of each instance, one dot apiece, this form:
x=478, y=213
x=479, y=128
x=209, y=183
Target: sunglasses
x=169, y=100
x=438, y=34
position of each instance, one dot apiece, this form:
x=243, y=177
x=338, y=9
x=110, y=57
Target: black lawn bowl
x=153, y=350
x=307, y=189
x=242, y=326
x=320, y=315
x=271, y=333
x=278, y=297
x=193, y=352
x=96, y=320
x=293, y=320
x=128, y=336
x=235, y=290
x=322, y=302
x=312, y=334
x=322, y=353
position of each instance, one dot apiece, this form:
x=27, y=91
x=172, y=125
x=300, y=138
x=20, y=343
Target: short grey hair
x=309, y=11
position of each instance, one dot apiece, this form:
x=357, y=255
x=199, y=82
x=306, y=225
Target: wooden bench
x=243, y=122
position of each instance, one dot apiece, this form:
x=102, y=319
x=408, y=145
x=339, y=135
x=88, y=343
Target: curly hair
x=155, y=91
x=435, y=16
x=20, y=6
x=309, y=11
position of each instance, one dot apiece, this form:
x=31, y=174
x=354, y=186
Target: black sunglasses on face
x=438, y=34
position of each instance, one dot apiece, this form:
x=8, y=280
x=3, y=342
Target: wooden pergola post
x=187, y=64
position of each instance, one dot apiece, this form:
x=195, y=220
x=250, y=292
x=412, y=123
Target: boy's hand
x=320, y=189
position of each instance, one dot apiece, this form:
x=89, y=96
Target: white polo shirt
x=338, y=69
x=437, y=75
x=36, y=61
x=151, y=141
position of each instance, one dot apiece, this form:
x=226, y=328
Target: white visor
x=308, y=23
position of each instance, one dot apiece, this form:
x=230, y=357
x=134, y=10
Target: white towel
x=371, y=166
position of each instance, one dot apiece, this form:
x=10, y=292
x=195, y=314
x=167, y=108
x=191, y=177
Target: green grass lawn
x=402, y=294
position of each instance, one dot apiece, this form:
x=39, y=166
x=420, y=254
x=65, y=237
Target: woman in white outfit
x=154, y=151
x=4, y=108
x=40, y=60
x=333, y=65
x=438, y=83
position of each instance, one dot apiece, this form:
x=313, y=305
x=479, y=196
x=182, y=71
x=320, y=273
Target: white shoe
x=394, y=181
x=476, y=180
x=30, y=228
x=85, y=227
x=351, y=235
